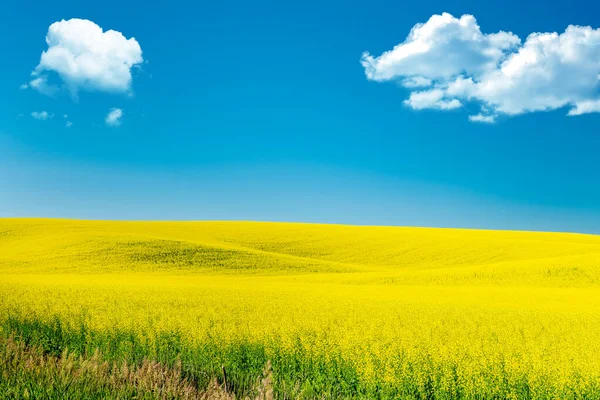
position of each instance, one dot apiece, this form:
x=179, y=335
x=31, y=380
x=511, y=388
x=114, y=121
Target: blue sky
x=263, y=111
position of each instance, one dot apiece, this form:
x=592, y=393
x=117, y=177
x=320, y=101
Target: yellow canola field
x=463, y=303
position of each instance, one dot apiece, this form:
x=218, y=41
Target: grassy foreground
x=156, y=309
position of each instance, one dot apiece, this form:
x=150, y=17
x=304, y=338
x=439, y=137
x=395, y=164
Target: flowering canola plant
x=417, y=312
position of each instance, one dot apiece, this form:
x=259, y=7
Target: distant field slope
x=101, y=309
x=389, y=254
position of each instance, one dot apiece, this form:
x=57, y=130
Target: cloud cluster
x=86, y=58
x=68, y=123
x=113, y=118
x=42, y=115
x=448, y=61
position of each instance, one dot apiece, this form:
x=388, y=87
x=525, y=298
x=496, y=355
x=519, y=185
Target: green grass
x=181, y=371
x=200, y=365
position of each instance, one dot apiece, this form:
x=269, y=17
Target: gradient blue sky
x=261, y=111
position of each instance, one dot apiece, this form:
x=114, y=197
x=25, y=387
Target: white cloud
x=441, y=48
x=85, y=57
x=41, y=115
x=41, y=85
x=487, y=119
x=113, y=118
x=416, y=81
x=546, y=72
x=585, y=107
x=68, y=124
x=434, y=98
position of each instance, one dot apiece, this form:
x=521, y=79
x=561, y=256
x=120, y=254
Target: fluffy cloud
x=85, y=57
x=113, y=118
x=41, y=115
x=487, y=119
x=585, y=107
x=434, y=98
x=455, y=62
x=416, y=82
x=441, y=48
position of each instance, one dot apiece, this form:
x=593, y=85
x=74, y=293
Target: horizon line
x=299, y=223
